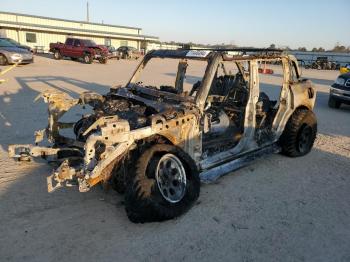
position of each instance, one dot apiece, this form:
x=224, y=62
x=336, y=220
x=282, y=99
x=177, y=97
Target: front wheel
x=299, y=134
x=165, y=185
x=87, y=58
x=57, y=55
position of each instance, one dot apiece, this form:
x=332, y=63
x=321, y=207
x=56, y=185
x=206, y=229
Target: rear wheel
x=299, y=134
x=333, y=103
x=57, y=55
x=87, y=58
x=3, y=60
x=164, y=186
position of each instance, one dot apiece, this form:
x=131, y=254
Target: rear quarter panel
x=303, y=94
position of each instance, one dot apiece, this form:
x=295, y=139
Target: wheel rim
x=2, y=60
x=87, y=59
x=57, y=55
x=171, y=178
x=305, y=139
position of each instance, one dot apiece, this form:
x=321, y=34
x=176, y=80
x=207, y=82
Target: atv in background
x=322, y=63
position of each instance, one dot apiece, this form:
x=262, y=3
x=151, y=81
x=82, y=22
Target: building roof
x=67, y=20
x=101, y=30
x=68, y=30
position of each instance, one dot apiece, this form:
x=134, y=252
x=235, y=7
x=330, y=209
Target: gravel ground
x=277, y=209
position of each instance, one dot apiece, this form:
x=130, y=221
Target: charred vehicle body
x=156, y=143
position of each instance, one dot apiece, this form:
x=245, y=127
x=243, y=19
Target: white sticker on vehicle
x=198, y=53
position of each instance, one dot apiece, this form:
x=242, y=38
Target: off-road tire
x=87, y=58
x=333, y=103
x=57, y=55
x=143, y=199
x=118, y=179
x=299, y=134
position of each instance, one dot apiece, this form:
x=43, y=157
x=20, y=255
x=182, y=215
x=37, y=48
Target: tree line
x=337, y=48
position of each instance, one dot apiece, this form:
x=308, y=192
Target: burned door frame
x=248, y=141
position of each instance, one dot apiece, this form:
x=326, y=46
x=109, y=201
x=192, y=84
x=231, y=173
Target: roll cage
x=215, y=58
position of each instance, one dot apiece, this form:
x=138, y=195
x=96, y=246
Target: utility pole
x=87, y=12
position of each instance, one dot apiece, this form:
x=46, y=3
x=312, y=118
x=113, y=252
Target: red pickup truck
x=80, y=48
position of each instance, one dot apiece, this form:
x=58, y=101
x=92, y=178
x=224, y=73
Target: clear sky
x=294, y=23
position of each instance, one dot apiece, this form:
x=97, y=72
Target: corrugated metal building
x=38, y=32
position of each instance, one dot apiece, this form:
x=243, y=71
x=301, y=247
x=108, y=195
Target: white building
x=38, y=31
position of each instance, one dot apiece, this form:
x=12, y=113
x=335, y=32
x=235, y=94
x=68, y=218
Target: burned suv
x=155, y=143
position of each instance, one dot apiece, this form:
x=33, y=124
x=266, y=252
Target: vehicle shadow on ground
x=284, y=203
x=50, y=56
x=45, y=55
x=20, y=116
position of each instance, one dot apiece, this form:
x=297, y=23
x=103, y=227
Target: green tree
x=320, y=49
x=340, y=49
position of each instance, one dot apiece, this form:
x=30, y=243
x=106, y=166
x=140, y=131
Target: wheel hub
x=171, y=178
x=305, y=139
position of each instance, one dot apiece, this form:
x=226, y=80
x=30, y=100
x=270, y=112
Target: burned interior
x=156, y=142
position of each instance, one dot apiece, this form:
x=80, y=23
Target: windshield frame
x=213, y=60
x=134, y=81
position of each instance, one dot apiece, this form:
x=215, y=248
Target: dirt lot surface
x=277, y=209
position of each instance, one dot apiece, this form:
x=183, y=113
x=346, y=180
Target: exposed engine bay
x=135, y=112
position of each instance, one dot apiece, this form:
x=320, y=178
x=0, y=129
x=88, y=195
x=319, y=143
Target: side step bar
x=211, y=175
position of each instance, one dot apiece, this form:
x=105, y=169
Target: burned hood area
x=136, y=104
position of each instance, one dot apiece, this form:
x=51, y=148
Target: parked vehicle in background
x=11, y=54
x=19, y=45
x=322, y=63
x=112, y=52
x=84, y=49
x=129, y=52
x=340, y=91
x=345, y=69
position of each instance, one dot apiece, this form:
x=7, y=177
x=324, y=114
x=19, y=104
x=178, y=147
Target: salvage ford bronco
x=156, y=143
